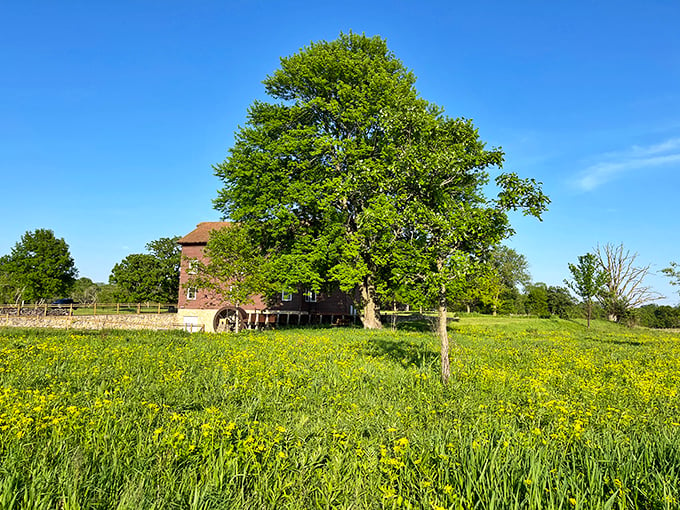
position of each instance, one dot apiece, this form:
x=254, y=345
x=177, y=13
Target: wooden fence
x=79, y=309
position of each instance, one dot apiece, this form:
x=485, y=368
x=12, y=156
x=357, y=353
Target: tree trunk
x=371, y=313
x=590, y=310
x=394, y=315
x=443, y=334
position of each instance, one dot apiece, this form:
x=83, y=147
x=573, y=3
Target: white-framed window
x=286, y=296
x=192, y=267
x=191, y=293
x=310, y=296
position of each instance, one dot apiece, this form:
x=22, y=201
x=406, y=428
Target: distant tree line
x=40, y=269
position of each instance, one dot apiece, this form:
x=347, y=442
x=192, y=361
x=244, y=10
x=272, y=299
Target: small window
x=192, y=268
x=286, y=296
x=191, y=293
x=310, y=296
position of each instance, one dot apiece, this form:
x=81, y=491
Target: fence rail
x=80, y=309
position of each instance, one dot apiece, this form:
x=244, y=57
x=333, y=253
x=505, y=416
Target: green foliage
x=673, y=272
x=538, y=414
x=587, y=280
x=39, y=268
x=236, y=270
x=489, y=287
x=311, y=174
x=137, y=278
x=107, y=293
x=168, y=255
x=495, y=283
x=150, y=276
x=655, y=316
x=84, y=290
x=537, y=300
x=559, y=301
x=352, y=179
x=512, y=267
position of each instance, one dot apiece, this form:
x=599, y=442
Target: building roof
x=201, y=233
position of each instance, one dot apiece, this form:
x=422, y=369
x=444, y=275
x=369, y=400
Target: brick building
x=200, y=309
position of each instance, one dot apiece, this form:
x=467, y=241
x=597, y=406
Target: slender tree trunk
x=590, y=309
x=467, y=307
x=394, y=314
x=371, y=313
x=443, y=334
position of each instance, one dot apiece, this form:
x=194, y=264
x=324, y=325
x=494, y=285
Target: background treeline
x=40, y=269
x=552, y=301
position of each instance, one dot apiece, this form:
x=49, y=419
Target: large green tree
x=351, y=178
x=150, y=276
x=312, y=174
x=39, y=268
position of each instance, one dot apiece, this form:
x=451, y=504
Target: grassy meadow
x=538, y=414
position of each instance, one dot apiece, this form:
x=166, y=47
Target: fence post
x=70, y=310
x=117, y=308
x=159, y=308
x=45, y=310
x=139, y=308
x=95, y=308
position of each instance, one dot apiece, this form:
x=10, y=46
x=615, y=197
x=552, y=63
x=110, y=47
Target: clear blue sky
x=112, y=113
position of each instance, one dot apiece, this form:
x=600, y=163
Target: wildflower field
x=538, y=414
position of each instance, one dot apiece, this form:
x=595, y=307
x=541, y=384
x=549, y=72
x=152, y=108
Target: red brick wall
x=336, y=303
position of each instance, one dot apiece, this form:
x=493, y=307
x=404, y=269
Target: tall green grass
x=538, y=414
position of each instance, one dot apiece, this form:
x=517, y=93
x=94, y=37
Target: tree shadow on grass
x=614, y=341
x=404, y=351
x=416, y=325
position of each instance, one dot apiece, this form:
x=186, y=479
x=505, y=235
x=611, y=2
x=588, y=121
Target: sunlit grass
x=538, y=414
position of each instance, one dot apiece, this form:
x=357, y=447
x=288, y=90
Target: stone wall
x=127, y=321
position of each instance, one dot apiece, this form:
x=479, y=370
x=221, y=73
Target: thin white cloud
x=668, y=146
x=636, y=158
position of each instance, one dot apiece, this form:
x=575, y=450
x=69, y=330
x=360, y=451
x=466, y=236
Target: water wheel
x=230, y=319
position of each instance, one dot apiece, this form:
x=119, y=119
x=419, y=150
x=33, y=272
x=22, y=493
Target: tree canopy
x=150, y=276
x=587, y=280
x=351, y=179
x=313, y=174
x=39, y=268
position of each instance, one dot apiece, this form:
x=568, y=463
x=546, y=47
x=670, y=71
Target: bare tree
x=624, y=287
